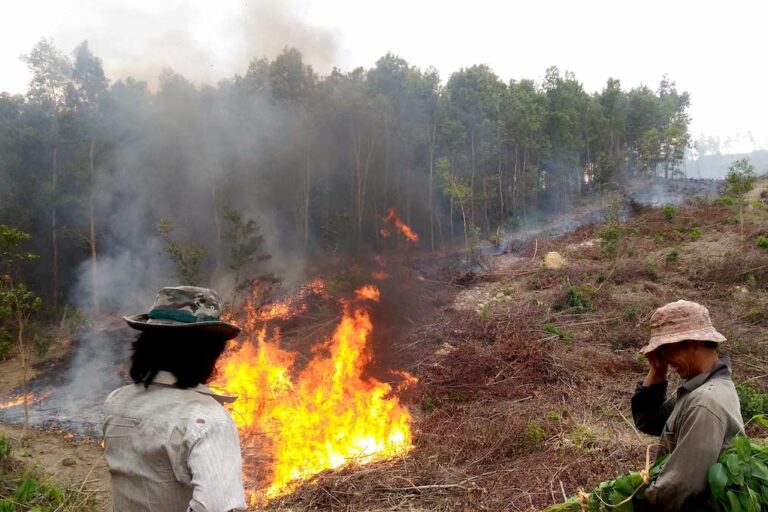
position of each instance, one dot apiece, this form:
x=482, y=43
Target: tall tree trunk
x=431, y=135
x=485, y=206
x=387, y=142
x=502, y=211
x=535, y=187
x=514, y=180
x=92, y=231
x=24, y=371
x=54, y=233
x=472, y=179
x=362, y=163
x=307, y=188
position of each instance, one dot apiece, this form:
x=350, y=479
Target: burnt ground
x=525, y=373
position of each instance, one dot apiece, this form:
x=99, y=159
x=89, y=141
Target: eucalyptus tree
x=87, y=100
x=474, y=97
x=51, y=74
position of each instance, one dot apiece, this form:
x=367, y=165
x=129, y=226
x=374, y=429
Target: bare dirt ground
x=67, y=462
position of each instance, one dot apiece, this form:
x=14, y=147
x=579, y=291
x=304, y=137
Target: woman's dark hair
x=191, y=357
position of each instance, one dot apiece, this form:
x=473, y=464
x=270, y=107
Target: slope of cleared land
x=526, y=372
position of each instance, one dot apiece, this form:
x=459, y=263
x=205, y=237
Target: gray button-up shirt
x=172, y=450
x=695, y=425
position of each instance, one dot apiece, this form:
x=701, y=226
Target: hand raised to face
x=659, y=367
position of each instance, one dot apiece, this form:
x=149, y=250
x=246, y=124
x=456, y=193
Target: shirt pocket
x=668, y=438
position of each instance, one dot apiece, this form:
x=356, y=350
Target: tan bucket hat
x=185, y=307
x=679, y=321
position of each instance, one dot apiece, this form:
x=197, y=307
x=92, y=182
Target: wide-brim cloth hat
x=680, y=321
x=187, y=308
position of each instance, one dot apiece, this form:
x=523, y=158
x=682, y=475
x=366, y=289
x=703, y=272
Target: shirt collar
x=168, y=379
x=722, y=369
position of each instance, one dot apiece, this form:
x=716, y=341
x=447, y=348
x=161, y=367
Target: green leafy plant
x=609, y=241
x=738, y=482
x=533, y=434
x=671, y=256
x=427, y=404
x=753, y=401
x=245, y=252
x=563, y=334
x=17, y=302
x=186, y=256
x=582, y=437
x=669, y=212
x=762, y=242
x=5, y=453
x=694, y=234
x=738, y=182
x=577, y=299
x=726, y=201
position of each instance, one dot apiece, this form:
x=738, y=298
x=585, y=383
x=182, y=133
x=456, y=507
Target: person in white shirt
x=170, y=444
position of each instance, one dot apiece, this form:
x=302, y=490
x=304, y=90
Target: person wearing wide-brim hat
x=170, y=445
x=699, y=420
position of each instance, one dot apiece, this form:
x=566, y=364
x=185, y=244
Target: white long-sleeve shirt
x=172, y=450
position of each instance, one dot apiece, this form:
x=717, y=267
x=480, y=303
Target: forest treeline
x=89, y=166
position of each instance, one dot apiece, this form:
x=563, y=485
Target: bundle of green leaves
x=738, y=482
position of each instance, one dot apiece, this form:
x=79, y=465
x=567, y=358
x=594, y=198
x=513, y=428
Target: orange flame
x=329, y=414
x=31, y=398
x=400, y=225
x=379, y=275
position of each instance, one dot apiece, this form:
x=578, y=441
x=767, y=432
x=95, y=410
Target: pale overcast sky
x=714, y=50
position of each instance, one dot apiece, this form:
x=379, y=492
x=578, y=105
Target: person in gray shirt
x=699, y=420
x=170, y=444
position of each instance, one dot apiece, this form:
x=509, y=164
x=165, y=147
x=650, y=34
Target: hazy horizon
x=208, y=41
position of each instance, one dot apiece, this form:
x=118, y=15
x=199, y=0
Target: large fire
x=323, y=416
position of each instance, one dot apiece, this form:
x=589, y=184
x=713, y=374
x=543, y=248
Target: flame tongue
x=401, y=226
x=329, y=414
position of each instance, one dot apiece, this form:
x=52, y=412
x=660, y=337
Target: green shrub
x=427, y=404
x=563, y=334
x=609, y=240
x=669, y=212
x=576, y=298
x=726, y=201
x=533, y=434
x=694, y=234
x=672, y=256
x=762, y=242
x=753, y=401
x=582, y=437
x=5, y=344
x=658, y=239
x=42, y=344
x=5, y=453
